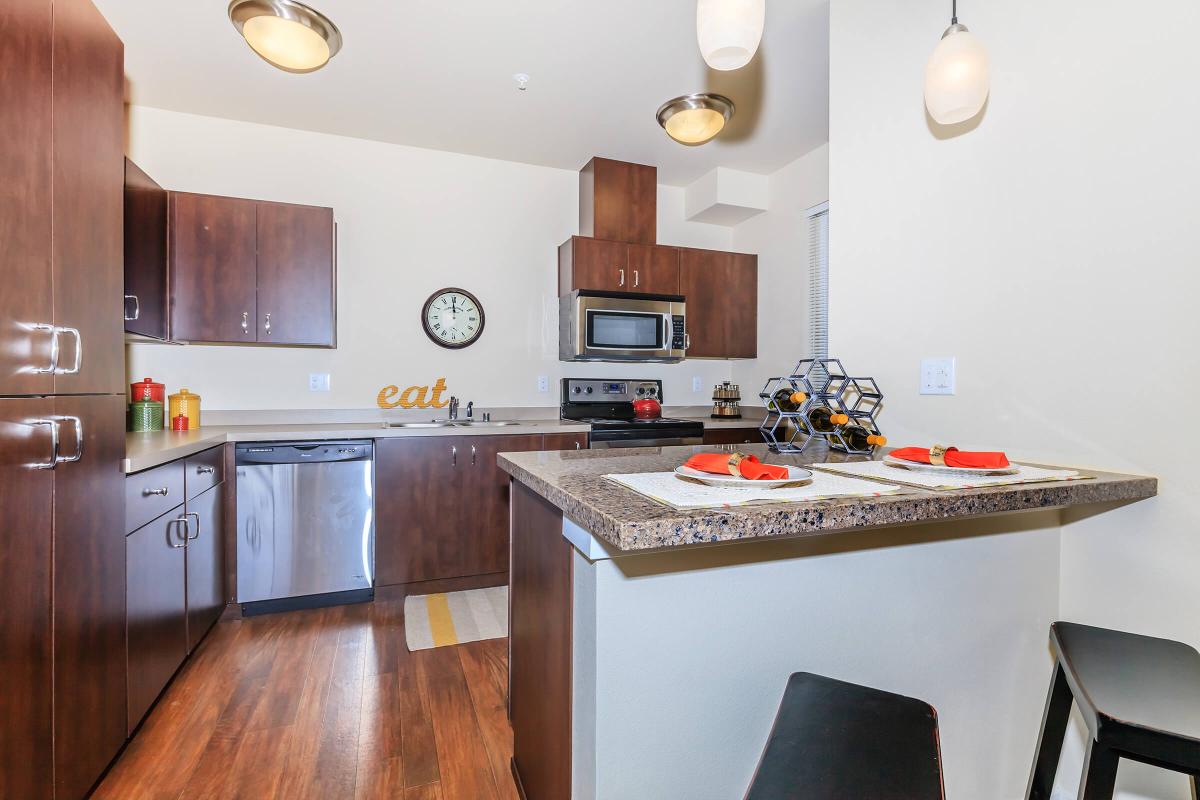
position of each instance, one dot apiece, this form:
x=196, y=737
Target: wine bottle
x=788, y=401
x=823, y=420
x=859, y=438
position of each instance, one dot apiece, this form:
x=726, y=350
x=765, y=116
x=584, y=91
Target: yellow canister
x=188, y=404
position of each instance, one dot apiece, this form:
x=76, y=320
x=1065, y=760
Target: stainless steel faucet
x=470, y=409
x=453, y=407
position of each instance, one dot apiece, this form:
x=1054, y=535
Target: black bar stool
x=833, y=740
x=1139, y=696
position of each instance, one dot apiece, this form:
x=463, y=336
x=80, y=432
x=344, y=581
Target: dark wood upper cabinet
x=213, y=268
x=296, y=276
x=26, y=204
x=654, y=269
x=89, y=591
x=606, y=266
x=618, y=201
x=89, y=135
x=27, y=497
x=145, y=254
x=721, y=290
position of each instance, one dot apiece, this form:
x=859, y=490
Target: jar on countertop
x=188, y=404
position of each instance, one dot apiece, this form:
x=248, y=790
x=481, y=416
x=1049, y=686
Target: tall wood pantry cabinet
x=62, y=421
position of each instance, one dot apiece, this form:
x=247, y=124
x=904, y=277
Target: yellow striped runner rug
x=438, y=620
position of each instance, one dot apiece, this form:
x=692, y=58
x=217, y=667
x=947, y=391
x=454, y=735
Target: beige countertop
x=146, y=450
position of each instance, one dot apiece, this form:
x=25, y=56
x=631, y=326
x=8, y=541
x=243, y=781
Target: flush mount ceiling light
x=286, y=34
x=957, y=77
x=729, y=31
x=695, y=118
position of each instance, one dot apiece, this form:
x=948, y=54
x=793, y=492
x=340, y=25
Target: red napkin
x=953, y=457
x=736, y=464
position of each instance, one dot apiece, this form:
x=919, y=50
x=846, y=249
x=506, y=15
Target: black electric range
x=607, y=405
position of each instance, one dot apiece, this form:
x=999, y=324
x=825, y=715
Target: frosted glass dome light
x=957, y=77
x=286, y=33
x=729, y=31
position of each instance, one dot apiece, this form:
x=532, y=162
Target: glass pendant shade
x=729, y=31
x=286, y=33
x=957, y=77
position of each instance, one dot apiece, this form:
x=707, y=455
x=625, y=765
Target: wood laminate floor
x=325, y=704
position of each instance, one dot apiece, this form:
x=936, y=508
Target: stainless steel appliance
x=621, y=326
x=607, y=405
x=306, y=524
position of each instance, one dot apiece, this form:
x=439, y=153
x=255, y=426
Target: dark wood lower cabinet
x=732, y=436
x=155, y=608
x=565, y=441
x=175, y=586
x=540, y=610
x=442, y=505
x=205, y=564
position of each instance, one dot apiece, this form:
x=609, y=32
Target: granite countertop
x=573, y=481
x=146, y=450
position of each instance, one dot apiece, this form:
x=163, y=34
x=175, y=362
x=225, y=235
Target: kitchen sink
x=452, y=423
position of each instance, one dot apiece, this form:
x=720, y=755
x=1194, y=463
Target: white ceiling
x=438, y=73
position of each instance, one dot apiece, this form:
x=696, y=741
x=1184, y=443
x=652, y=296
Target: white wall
x=1052, y=249
x=780, y=237
x=410, y=221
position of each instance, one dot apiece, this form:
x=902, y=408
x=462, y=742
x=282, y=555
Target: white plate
x=1011, y=469
x=796, y=475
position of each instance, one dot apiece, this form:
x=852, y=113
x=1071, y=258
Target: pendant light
x=957, y=77
x=694, y=119
x=286, y=34
x=729, y=31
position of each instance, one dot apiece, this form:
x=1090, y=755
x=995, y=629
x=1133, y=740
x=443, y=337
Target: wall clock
x=452, y=318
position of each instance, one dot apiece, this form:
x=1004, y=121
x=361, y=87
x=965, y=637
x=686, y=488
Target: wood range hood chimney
x=618, y=201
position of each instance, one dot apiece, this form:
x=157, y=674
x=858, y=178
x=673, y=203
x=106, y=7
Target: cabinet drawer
x=152, y=493
x=203, y=471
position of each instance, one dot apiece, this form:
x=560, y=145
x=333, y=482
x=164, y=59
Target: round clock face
x=452, y=318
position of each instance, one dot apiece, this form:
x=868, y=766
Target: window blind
x=818, y=280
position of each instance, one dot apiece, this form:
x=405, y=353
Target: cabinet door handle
x=636, y=279
x=453, y=456
x=172, y=526
x=161, y=491
x=245, y=322
x=578, y=446
x=78, y=454
x=52, y=462
x=472, y=455
x=267, y=325
x=74, y=368
x=621, y=280
x=189, y=527
x=137, y=307
x=54, y=348
x=205, y=470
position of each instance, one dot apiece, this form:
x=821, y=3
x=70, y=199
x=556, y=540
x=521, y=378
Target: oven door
x=621, y=328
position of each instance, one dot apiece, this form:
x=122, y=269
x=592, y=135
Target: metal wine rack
x=826, y=383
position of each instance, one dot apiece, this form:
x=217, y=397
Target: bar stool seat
x=834, y=740
x=1140, y=699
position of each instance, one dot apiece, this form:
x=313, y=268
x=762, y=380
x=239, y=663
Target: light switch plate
x=937, y=375
x=697, y=385
x=318, y=381
x=543, y=383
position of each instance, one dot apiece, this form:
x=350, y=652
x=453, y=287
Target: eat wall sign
x=413, y=396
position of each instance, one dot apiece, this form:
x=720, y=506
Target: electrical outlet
x=318, y=381
x=937, y=375
x=543, y=383
x=697, y=383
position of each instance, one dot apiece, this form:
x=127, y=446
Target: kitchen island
x=650, y=646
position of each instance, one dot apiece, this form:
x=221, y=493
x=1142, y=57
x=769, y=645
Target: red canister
x=146, y=389
x=179, y=423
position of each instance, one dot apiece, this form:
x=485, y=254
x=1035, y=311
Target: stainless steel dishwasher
x=306, y=524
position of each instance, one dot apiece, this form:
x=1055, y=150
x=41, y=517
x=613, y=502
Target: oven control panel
x=590, y=390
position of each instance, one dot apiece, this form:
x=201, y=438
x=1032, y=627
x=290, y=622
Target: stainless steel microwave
x=621, y=326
